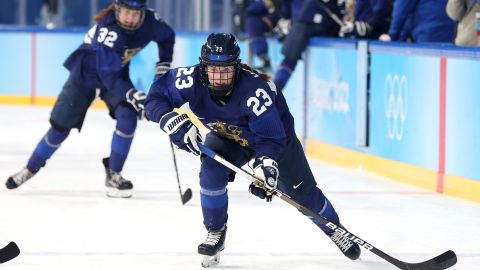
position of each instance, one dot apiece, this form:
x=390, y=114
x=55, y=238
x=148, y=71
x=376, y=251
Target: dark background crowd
x=445, y=21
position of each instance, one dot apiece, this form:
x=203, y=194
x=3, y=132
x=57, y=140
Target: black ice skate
x=212, y=247
x=117, y=186
x=19, y=178
x=348, y=248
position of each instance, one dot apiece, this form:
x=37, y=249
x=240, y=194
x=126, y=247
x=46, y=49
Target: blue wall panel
x=16, y=64
x=52, y=50
x=332, y=84
x=404, y=108
x=463, y=118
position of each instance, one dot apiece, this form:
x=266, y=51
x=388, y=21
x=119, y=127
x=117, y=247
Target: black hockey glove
x=182, y=132
x=160, y=69
x=358, y=29
x=137, y=99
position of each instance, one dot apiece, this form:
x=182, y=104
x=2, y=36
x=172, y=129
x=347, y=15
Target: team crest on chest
x=231, y=132
x=128, y=55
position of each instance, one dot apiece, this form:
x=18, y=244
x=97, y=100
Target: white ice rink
x=62, y=220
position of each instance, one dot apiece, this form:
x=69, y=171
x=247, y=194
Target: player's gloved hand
x=358, y=29
x=259, y=192
x=137, y=99
x=160, y=69
x=282, y=28
x=182, y=132
x=266, y=169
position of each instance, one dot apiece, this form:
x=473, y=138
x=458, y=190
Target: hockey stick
x=9, y=252
x=330, y=13
x=185, y=197
x=440, y=262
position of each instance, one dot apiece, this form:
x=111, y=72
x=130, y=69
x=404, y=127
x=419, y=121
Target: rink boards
x=412, y=118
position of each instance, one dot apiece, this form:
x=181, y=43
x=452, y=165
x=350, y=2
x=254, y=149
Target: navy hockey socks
x=318, y=203
x=122, y=137
x=213, y=193
x=45, y=148
x=283, y=73
x=120, y=147
x=259, y=46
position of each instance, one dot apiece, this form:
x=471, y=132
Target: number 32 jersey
x=256, y=116
x=102, y=61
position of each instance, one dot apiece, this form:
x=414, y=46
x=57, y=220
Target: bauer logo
x=349, y=236
x=395, y=94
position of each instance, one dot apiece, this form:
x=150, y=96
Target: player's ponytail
x=264, y=76
x=102, y=13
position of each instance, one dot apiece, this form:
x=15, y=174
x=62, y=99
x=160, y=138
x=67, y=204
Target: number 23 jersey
x=256, y=116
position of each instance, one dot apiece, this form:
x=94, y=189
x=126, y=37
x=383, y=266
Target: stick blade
x=186, y=196
x=445, y=260
x=442, y=261
x=9, y=252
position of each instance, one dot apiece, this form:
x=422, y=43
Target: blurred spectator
x=463, y=12
x=238, y=19
x=33, y=12
x=349, y=10
x=371, y=19
x=427, y=18
x=263, y=18
x=8, y=12
x=49, y=14
x=316, y=18
x=77, y=13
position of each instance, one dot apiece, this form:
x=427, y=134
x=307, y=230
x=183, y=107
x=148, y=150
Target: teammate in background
x=313, y=20
x=101, y=64
x=371, y=19
x=262, y=18
x=248, y=119
x=425, y=20
x=239, y=8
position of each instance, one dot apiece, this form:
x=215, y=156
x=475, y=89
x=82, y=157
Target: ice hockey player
x=312, y=21
x=101, y=64
x=269, y=18
x=248, y=119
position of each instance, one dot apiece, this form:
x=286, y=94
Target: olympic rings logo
x=395, y=95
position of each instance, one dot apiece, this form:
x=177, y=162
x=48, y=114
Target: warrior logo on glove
x=182, y=132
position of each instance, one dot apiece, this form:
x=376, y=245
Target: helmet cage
x=219, y=52
x=218, y=86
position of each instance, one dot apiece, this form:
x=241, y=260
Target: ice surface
x=61, y=219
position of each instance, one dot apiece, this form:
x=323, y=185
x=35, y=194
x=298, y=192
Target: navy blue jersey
x=312, y=12
x=102, y=61
x=425, y=18
x=374, y=12
x=290, y=9
x=256, y=116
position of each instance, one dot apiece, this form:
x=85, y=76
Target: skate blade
x=116, y=193
x=209, y=261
